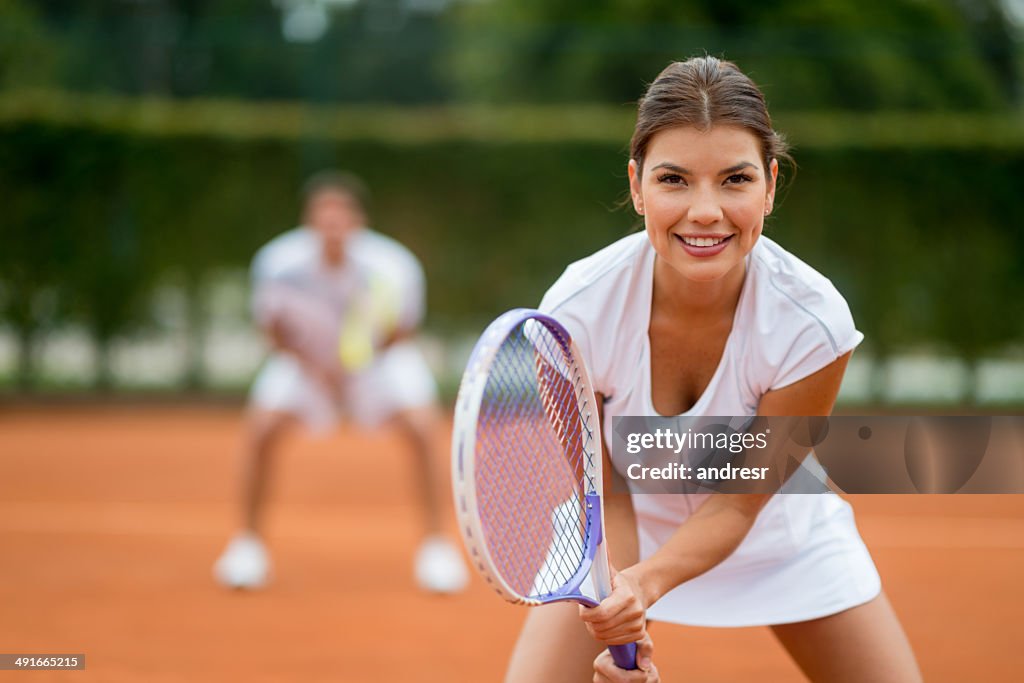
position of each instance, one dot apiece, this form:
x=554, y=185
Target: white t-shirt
x=293, y=286
x=803, y=557
x=295, y=257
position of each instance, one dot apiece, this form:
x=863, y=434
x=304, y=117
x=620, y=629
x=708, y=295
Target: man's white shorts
x=398, y=379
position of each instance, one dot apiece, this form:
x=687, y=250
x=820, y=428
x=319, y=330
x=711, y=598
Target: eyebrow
x=725, y=171
x=738, y=167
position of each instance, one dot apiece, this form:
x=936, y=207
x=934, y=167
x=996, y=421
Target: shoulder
x=592, y=278
x=599, y=300
x=296, y=240
x=800, y=320
x=288, y=250
x=376, y=249
x=801, y=295
x=367, y=241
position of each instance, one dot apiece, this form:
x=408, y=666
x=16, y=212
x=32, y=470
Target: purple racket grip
x=624, y=656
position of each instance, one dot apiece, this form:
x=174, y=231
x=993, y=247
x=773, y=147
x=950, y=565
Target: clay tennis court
x=110, y=518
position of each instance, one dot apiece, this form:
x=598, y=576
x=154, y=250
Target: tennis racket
x=526, y=467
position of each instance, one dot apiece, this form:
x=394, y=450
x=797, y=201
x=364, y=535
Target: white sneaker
x=244, y=563
x=439, y=567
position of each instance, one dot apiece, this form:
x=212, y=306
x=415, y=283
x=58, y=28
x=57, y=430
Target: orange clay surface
x=110, y=519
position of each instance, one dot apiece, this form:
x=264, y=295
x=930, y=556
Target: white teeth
x=703, y=241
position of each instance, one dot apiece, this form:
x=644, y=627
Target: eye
x=672, y=179
x=738, y=178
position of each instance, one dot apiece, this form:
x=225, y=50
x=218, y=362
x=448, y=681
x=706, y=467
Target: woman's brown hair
x=704, y=92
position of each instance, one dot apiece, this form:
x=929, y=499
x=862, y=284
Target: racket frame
x=467, y=409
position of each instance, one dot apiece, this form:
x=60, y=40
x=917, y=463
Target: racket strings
x=559, y=384
x=532, y=463
x=569, y=381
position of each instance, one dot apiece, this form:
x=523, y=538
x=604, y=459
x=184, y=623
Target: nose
x=704, y=207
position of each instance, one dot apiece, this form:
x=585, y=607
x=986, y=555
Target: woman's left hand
x=605, y=670
x=621, y=617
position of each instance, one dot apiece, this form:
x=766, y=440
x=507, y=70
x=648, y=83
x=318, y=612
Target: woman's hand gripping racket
x=526, y=467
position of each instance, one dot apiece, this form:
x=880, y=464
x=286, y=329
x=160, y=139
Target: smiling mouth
x=703, y=242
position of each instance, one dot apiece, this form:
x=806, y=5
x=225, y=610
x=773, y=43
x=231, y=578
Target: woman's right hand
x=605, y=670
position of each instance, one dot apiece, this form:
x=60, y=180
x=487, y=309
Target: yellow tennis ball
x=355, y=348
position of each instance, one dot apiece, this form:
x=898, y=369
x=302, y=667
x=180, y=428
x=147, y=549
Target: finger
x=645, y=654
x=624, y=638
x=607, y=608
x=613, y=674
x=632, y=614
x=606, y=671
x=620, y=606
x=601, y=668
x=619, y=629
x=635, y=626
x=633, y=629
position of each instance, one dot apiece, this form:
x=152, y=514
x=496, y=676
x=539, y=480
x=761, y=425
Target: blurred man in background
x=339, y=304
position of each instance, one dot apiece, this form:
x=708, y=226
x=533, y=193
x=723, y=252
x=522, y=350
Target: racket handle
x=624, y=656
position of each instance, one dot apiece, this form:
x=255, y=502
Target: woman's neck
x=678, y=297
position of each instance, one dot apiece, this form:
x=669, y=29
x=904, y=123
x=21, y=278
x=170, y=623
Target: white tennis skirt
x=803, y=559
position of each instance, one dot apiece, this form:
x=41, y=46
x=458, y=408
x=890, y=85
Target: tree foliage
x=855, y=54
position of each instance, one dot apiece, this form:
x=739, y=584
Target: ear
x=635, y=193
x=773, y=177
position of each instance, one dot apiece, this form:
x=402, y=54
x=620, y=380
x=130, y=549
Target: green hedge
x=925, y=243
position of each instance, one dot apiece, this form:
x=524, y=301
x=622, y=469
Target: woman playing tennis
x=703, y=315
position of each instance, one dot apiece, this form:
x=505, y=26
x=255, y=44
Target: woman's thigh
x=863, y=644
x=553, y=647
